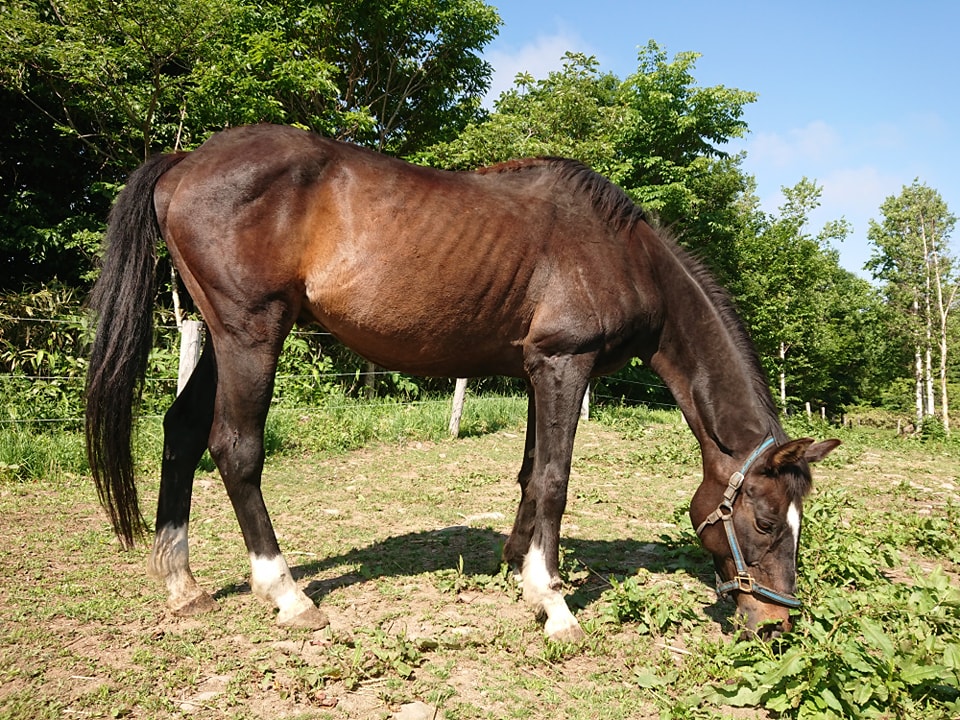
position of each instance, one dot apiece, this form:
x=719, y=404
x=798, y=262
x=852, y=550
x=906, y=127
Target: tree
x=113, y=81
x=411, y=66
x=810, y=318
x=911, y=257
x=656, y=134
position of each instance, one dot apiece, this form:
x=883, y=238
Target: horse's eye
x=763, y=527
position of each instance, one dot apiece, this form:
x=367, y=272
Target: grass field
x=399, y=543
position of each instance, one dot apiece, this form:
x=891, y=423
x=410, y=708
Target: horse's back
x=407, y=265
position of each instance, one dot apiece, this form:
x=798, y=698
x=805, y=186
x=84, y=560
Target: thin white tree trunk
x=783, y=376
x=918, y=372
x=944, y=401
x=928, y=380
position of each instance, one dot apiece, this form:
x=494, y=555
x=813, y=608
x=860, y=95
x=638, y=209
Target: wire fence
x=70, y=384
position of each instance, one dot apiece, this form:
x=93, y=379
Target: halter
x=742, y=581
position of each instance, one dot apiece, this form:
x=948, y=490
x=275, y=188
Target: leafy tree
x=912, y=259
x=656, y=134
x=113, y=81
x=815, y=324
x=411, y=66
x=50, y=216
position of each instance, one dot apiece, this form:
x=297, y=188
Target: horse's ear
x=788, y=454
x=819, y=451
x=801, y=449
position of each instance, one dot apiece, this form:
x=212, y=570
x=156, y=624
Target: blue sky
x=862, y=97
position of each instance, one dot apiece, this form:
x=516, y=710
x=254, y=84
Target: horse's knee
x=236, y=452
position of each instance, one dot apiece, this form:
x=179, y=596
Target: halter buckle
x=744, y=583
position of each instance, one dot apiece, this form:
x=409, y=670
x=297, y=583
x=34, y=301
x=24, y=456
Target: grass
x=395, y=530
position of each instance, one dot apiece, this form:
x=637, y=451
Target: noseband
x=742, y=582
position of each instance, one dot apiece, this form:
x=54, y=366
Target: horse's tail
x=123, y=299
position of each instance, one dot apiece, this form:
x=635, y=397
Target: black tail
x=123, y=300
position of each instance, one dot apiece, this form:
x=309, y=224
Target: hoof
x=202, y=603
x=565, y=633
x=312, y=618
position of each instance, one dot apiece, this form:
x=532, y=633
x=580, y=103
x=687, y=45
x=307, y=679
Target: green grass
x=395, y=529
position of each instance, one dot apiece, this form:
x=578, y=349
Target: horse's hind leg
x=245, y=378
x=186, y=427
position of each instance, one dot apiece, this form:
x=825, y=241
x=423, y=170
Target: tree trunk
x=928, y=380
x=944, y=402
x=783, y=376
x=918, y=372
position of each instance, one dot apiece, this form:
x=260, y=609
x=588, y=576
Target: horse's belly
x=423, y=337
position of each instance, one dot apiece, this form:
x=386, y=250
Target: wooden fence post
x=190, y=346
x=459, y=394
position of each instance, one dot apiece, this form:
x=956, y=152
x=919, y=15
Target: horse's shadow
x=475, y=552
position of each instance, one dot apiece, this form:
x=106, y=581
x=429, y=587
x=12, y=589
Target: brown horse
x=538, y=269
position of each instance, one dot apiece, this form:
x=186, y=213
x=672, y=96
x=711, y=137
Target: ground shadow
x=478, y=552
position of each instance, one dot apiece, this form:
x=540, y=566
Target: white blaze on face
x=793, y=522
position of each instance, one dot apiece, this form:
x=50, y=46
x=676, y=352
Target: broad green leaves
x=90, y=88
x=864, y=647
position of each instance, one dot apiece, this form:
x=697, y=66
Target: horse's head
x=747, y=513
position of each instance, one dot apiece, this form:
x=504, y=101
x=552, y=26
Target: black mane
x=612, y=204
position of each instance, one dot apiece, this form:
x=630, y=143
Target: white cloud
x=815, y=141
x=856, y=194
x=538, y=58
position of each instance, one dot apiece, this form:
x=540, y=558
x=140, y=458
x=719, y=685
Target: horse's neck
x=704, y=361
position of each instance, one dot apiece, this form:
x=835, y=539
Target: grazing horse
x=539, y=269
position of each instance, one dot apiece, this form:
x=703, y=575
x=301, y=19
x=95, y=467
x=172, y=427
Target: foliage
x=868, y=653
x=912, y=260
x=41, y=354
x=96, y=87
x=864, y=646
x=365, y=656
x=649, y=606
x=818, y=328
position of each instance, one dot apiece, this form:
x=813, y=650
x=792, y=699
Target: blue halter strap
x=742, y=581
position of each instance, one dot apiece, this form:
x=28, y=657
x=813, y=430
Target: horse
x=539, y=269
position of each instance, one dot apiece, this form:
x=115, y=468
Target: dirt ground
x=400, y=546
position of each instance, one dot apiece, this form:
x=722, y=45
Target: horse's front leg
x=515, y=549
x=244, y=388
x=559, y=384
x=186, y=427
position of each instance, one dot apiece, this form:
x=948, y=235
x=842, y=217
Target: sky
x=860, y=97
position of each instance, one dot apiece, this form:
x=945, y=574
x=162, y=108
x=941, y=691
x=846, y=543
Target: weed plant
x=864, y=646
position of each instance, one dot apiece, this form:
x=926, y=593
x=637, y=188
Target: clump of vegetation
x=864, y=646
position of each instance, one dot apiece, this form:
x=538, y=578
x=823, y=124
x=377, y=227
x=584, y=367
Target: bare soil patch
x=400, y=546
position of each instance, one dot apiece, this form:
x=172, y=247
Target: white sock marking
x=537, y=592
x=271, y=580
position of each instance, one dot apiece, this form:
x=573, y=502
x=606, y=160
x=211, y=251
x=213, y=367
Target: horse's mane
x=613, y=205
x=798, y=484
x=610, y=202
